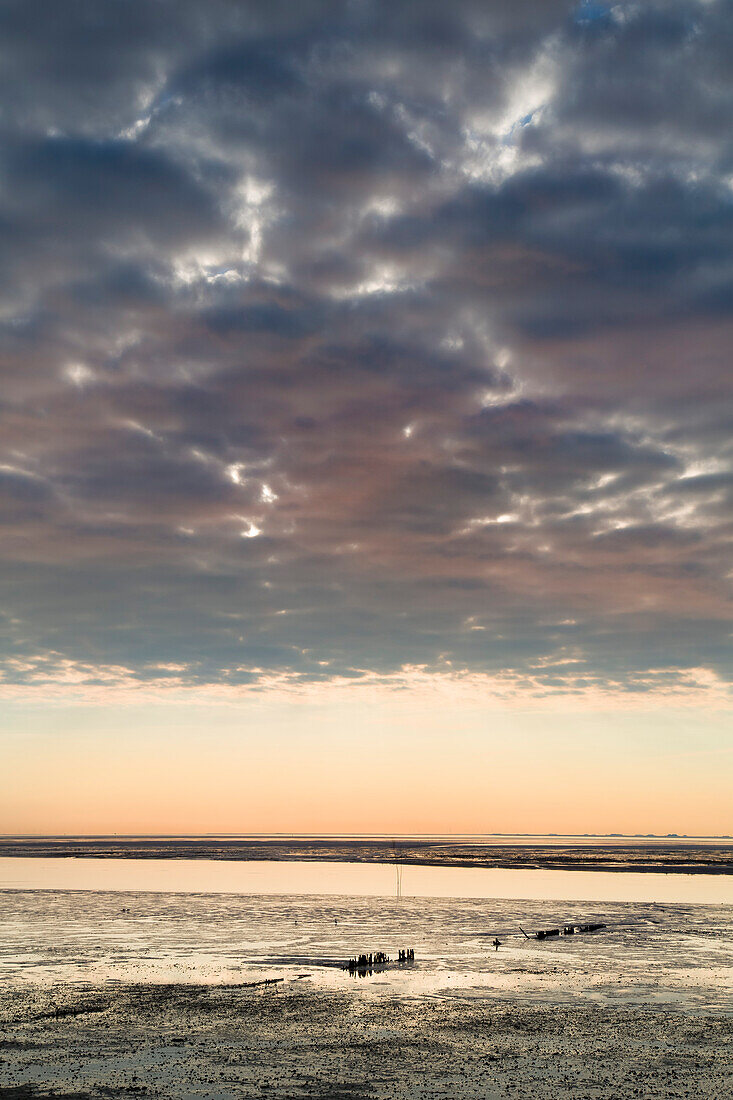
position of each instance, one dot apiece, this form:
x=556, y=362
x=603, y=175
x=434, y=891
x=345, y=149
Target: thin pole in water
x=398, y=868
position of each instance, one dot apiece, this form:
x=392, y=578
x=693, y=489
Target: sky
x=365, y=408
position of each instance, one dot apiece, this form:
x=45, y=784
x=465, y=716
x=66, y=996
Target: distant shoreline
x=666, y=856
x=362, y=838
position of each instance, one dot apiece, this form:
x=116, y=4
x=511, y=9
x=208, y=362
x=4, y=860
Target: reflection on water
x=649, y=954
x=357, y=879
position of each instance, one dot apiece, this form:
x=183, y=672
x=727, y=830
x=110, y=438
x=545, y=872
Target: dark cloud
x=342, y=337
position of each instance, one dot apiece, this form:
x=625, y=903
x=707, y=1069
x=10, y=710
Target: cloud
x=432, y=306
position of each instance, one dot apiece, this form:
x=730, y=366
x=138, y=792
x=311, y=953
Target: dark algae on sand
x=214, y=1042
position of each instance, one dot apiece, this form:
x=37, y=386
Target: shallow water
x=357, y=879
x=650, y=954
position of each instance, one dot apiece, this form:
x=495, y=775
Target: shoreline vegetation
x=660, y=855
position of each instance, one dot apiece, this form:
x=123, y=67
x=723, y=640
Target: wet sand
x=161, y=995
x=151, y=994
x=292, y=1040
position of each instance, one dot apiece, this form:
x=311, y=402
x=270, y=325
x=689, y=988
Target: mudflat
x=667, y=855
x=292, y=1040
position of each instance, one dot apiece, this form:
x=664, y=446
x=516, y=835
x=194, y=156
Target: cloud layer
x=339, y=339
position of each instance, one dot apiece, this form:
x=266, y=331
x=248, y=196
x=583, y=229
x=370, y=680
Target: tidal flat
x=143, y=994
x=668, y=855
x=211, y=1042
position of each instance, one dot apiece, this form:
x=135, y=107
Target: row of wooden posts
x=366, y=961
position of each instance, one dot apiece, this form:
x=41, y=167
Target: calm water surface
x=357, y=879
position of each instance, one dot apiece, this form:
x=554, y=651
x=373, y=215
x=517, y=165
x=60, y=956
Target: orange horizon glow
x=386, y=766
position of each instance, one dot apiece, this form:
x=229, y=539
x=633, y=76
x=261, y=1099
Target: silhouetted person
x=496, y=943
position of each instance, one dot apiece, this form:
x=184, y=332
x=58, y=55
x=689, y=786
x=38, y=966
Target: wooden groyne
x=366, y=963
